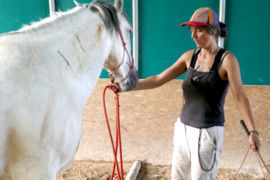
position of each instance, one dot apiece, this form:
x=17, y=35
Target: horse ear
x=76, y=3
x=118, y=4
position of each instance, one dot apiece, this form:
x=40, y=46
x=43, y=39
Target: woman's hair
x=220, y=30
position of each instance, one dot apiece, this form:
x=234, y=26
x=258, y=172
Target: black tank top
x=204, y=94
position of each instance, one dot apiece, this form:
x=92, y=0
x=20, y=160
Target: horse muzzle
x=131, y=82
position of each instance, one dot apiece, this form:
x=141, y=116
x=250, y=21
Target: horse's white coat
x=47, y=72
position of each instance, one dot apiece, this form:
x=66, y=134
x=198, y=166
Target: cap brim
x=194, y=23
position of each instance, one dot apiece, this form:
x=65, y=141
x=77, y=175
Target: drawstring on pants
x=200, y=161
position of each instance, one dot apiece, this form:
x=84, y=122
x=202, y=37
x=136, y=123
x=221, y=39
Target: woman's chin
x=197, y=44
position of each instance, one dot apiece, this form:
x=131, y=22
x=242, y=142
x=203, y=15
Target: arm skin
x=177, y=69
x=231, y=67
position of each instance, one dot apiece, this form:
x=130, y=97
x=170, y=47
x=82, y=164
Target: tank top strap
x=222, y=58
x=194, y=57
x=218, y=60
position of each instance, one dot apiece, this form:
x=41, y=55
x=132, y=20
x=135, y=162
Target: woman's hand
x=254, y=141
x=117, y=87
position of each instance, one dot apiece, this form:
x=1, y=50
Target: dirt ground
x=98, y=170
x=147, y=121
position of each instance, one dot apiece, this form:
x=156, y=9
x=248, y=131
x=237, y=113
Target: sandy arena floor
x=147, y=119
x=94, y=170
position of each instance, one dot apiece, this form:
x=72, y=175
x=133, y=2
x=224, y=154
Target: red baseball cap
x=203, y=17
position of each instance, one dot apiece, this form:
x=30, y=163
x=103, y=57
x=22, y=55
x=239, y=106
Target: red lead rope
x=114, y=89
x=118, y=134
x=264, y=169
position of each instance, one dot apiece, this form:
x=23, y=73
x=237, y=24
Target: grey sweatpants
x=185, y=164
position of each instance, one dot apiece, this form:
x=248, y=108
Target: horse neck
x=85, y=35
x=90, y=45
x=80, y=42
x=83, y=40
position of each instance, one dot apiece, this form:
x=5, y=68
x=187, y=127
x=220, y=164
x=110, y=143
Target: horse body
x=47, y=72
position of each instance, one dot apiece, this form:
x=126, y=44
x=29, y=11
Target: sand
x=147, y=119
x=98, y=170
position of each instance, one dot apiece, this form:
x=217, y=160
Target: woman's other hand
x=254, y=141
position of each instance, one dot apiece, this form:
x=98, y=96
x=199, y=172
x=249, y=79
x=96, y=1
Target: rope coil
x=118, y=133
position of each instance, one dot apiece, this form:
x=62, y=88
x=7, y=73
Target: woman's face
x=201, y=36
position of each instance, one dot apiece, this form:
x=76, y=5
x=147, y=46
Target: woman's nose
x=193, y=35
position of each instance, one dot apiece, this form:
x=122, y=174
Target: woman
x=198, y=133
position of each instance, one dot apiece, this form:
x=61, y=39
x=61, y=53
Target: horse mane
x=108, y=14
x=105, y=10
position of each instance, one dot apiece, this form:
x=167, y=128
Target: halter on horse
x=48, y=70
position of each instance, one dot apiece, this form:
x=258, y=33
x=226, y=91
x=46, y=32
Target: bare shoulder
x=230, y=60
x=229, y=68
x=187, y=57
x=228, y=65
x=188, y=54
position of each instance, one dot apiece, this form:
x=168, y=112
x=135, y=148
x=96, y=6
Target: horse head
x=119, y=62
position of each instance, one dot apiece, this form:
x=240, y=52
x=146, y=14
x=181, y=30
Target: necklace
x=205, y=61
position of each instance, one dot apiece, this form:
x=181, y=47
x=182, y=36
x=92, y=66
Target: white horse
x=47, y=72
